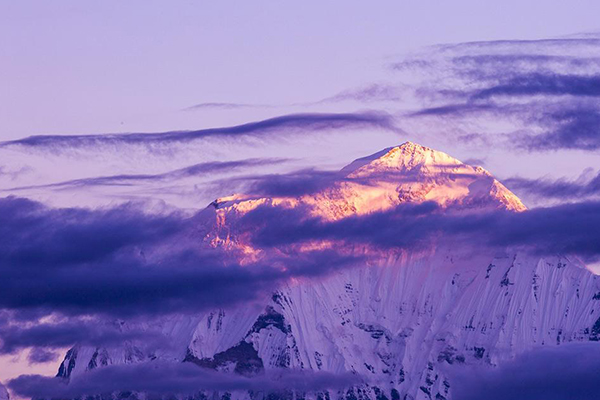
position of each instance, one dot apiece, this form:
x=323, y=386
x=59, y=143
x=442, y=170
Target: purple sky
x=321, y=83
x=108, y=67
x=70, y=67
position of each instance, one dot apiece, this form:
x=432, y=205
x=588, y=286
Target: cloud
x=542, y=93
x=146, y=265
x=503, y=58
x=160, y=378
x=44, y=338
x=544, y=84
x=40, y=355
x=562, y=189
x=523, y=61
x=225, y=106
x=569, y=371
x=37, y=235
x=292, y=184
x=179, y=283
x=121, y=261
x=278, y=125
x=462, y=109
x=311, y=181
x=569, y=128
x=511, y=45
x=509, y=69
x=567, y=125
x=563, y=229
x=374, y=92
x=67, y=273
x=207, y=168
x=475, y=161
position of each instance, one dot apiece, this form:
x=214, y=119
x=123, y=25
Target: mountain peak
x=410, y=154
x=415, y=173
x=408, y=173
x=413, y=146
x=405, y=157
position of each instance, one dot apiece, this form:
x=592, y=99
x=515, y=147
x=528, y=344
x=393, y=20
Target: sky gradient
x=107, y=67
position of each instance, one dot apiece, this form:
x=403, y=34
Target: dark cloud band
x=176, y=378
x=283, y=124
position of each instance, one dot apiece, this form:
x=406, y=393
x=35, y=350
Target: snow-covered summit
x=414, y=173
x=407, y=156
x=408, y=173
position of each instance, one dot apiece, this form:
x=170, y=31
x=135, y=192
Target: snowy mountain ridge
x=404, y=321
x=406, y=173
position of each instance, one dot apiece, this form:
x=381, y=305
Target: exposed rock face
x=401, y=321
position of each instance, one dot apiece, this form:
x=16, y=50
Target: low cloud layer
x=158, y=378
x=44, y=339
x=566, y=229
x=122, y=261
x=569, y=371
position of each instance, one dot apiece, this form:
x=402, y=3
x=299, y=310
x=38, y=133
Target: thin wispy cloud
x=376, y=92
x=368, y=94
x=283, y=125
x=201, y=169
x=587, y=185
x=544, y=84
x=545, y=90
x=224, y=106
